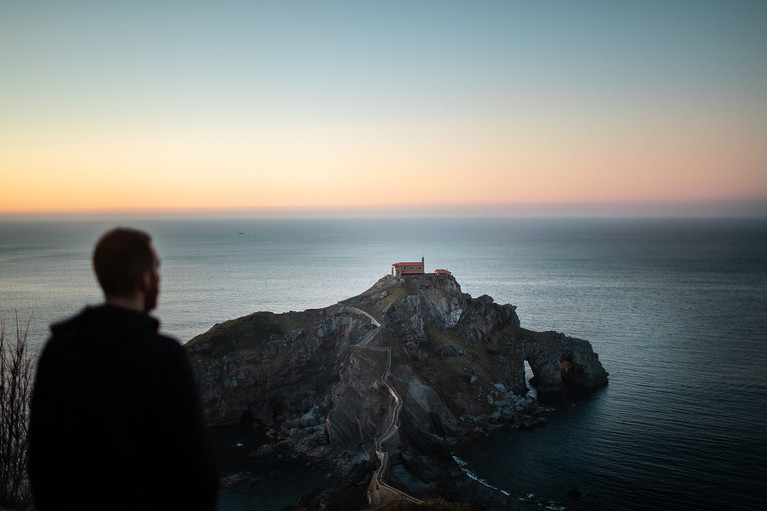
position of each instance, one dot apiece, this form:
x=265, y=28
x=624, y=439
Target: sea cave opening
x=530, y=380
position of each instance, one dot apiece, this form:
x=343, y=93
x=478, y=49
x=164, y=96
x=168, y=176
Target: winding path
x=383, y=455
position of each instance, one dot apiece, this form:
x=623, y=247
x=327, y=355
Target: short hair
x=120, y=258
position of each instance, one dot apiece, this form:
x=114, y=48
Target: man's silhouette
x=115, y=417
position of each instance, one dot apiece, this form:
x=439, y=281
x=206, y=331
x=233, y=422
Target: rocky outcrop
x=559, y=362
x=272, y=367
x=413, y=357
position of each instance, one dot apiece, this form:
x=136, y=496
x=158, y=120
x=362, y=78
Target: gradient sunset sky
x=390, y=105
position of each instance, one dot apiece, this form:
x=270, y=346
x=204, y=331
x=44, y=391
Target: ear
x=145, y=283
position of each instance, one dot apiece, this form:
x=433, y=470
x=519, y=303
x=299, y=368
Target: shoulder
x=158, y=346
x=170, y=347
x=167, y=349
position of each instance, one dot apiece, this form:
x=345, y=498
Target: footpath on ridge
x=383, y=454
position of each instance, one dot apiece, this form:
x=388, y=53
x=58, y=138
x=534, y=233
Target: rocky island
x=383, y=385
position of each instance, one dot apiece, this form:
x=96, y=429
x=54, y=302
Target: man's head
x=127, y=267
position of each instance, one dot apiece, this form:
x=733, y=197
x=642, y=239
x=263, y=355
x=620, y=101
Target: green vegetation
x=370, y=302
x=379, y=357
x=538, y=337
x=447, y=372
x=243, y=333
x=393, y=294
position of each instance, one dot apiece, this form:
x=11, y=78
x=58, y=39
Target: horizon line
x=752, y=208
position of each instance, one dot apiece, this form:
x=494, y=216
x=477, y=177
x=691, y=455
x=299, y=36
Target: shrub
x=15, y=392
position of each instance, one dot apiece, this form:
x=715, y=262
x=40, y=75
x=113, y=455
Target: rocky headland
x=382, y=386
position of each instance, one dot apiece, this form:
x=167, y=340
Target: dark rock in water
x=530, y=422
x=351, y=492
x=389, y=380
x=239, y=479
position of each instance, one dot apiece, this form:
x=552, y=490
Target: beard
x=152, y=294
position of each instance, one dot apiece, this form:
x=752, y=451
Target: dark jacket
x=115, y=419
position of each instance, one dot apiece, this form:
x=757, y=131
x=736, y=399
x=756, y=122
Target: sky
x=494, y=106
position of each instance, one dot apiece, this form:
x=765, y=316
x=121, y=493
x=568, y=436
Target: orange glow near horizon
x=357, y=168
x=189, y=108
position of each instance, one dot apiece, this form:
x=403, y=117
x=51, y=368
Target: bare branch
x=16, y=370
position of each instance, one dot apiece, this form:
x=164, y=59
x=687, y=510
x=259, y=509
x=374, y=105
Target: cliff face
x=405, y=369
x=271, y=366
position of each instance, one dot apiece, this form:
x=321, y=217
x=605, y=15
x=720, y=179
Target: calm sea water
x=676, y=309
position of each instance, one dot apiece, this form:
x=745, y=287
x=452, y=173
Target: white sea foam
x=465, y=467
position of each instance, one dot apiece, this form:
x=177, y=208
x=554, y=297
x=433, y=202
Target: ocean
x=675, y=308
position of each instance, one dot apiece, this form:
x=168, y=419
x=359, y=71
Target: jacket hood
x=117, y=322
